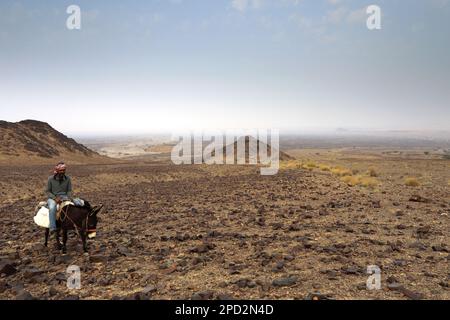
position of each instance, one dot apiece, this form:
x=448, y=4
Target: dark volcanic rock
x=224, y=296
x=3, y=286
x=63, y=259
x=150, y=290
x=203, y=295
x=24, y=295
x=284, y=282
x=52, y=291
x=98, y=259
x=31, y=272
x=316, y=296
x=395, y=286
x=7, y=269
x=417, y=198
x=351, y=270
x=439, y=248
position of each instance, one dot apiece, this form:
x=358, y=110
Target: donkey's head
x=92, y=221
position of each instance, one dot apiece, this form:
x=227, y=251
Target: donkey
x=81, y=219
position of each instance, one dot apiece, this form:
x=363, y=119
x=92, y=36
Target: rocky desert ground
x=226, y=232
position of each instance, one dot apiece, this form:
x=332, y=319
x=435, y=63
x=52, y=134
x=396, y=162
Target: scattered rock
x=395, y=286
x=123, y=251
x=203, y=295
x=351, y=270
x=31, y=272
x=8, y=269
x=224, y=296
x=52, y=291
x=439, y=248
x=61, y=277
x=245, y=283
x=149, y=290
x=316, y=296
x=417, y=198
x=203, y=248
x=63, y=259
x=98, y=259
x=361, y=286
x=400, y=262
x=418, y=245
x=3, y=286
x=24, y=295
x=284, y=282
x=423, y=232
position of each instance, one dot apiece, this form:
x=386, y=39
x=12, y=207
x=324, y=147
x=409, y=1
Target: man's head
x=60, y=168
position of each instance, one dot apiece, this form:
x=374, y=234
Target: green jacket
x=59, y=188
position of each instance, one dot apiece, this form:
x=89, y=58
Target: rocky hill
x=35, y=140
x=252, y=147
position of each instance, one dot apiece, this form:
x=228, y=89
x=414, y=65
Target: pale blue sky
x=146, y=65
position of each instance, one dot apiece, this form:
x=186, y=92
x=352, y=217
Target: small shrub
x=372, y=172
x=369, y=182
x=311, y=164
x=351, y=180
x=342, y=172
x=324, y=167
x=358, y=180
x=412, y=182
x=290, y=164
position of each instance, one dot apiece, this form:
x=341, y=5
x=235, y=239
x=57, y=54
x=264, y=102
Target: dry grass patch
x=311, y=164
x=324, y=167
x=412, y=182
x=341, y=172
x=351, y=180
x=369, y=182
x=291, y=164
x=372, y=172
x=358, y=180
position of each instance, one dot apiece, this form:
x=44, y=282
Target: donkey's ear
x=98, y=210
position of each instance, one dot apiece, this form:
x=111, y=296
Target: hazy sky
x=149, y=65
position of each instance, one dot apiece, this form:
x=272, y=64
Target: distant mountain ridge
x=36, y=139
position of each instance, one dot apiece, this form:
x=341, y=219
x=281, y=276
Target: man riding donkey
x=59, y=189
x=75, y=214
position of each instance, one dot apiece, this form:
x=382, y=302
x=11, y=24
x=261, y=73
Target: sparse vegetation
x=324, y=167
x=372, y=172
x=368, y=182
x=351, y=180
x=412, y=182
x=292, y=164
x=342, y=172
x=311, y=164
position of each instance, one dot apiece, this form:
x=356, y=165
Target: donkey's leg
x=64, y=248
x=83, y=235
x=47, y=232
x=58, y=242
